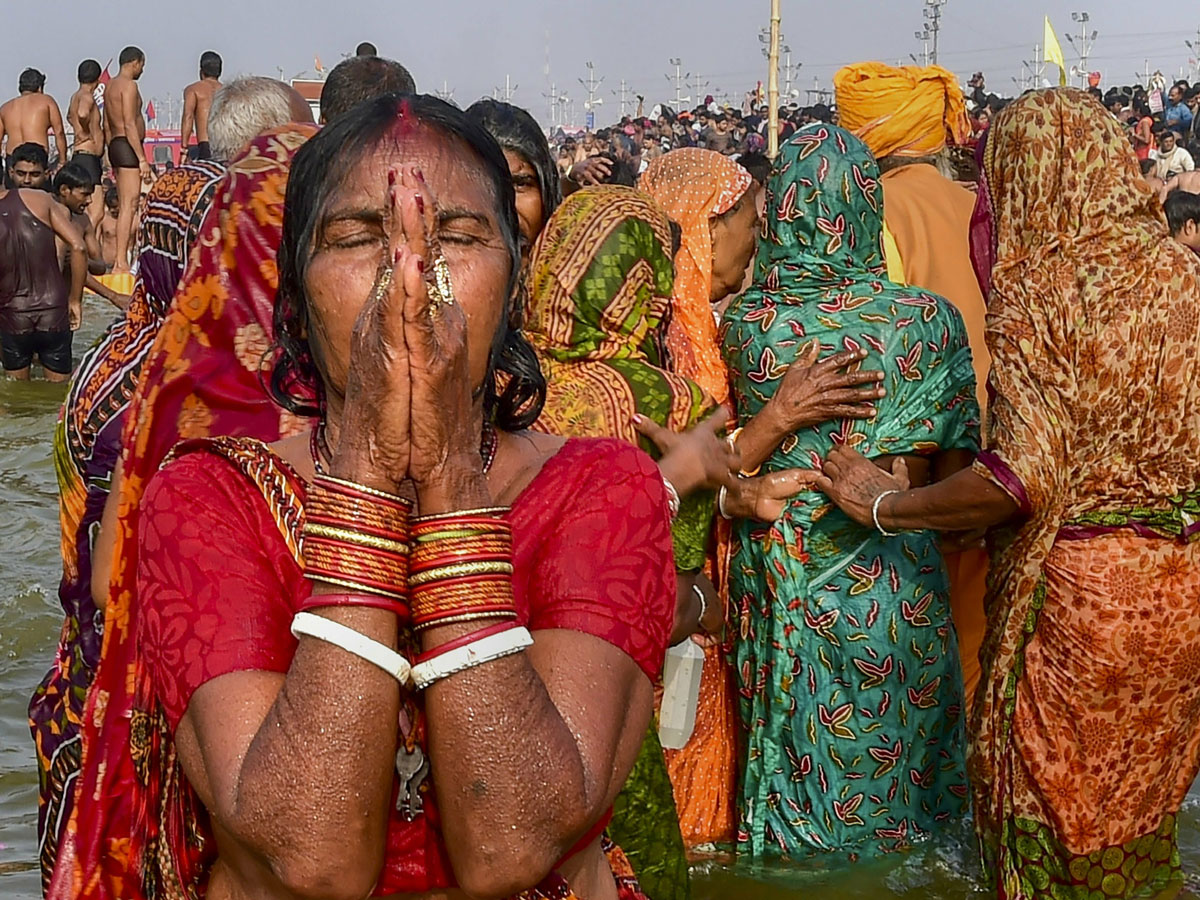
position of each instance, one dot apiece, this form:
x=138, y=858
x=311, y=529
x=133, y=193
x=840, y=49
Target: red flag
x=105, y=78
x=150, y=112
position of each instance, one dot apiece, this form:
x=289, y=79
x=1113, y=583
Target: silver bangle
x=703, y=604
x=722, y=496
x=875, y=514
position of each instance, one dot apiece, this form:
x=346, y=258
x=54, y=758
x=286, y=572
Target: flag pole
x=773, y=85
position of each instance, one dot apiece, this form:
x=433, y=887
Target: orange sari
x=1086, y=726
x=692, y=186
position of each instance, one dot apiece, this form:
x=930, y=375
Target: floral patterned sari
x=1086, y=727
x=847, y=664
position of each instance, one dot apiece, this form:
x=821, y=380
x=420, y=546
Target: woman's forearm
x=962, y=502
x=760, y=437
x=310, y=796
x=515, y=787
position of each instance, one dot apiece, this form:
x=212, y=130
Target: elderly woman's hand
x=444, y=460
x=854, y=482
x=813, y=391
x=373, y=447
x=696, y=458
x=765, y=497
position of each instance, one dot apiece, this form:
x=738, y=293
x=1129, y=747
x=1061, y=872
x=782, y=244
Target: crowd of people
x=420, y=439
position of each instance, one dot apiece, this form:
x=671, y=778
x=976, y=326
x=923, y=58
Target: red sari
x=221, y=580
x=204, y=375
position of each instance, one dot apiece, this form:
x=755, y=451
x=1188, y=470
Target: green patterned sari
x=850, y=685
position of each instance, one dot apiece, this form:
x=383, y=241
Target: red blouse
x=592, y=553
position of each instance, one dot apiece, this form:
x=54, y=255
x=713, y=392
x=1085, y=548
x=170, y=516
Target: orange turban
x=901, y=110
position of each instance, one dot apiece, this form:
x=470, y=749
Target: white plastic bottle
x=681, y=693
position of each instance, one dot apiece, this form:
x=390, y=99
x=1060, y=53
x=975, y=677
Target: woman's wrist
x=458, y=484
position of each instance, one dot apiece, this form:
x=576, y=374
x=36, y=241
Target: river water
x=30, y=619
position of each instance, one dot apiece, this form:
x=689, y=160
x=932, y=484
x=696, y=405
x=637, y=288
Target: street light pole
x=773, y=85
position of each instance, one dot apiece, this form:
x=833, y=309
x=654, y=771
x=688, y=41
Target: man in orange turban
x=906, y=115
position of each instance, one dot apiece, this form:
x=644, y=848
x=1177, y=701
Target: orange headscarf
x=901, y=110
x=692, y=186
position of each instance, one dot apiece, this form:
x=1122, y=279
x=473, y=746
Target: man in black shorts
x=38, y=310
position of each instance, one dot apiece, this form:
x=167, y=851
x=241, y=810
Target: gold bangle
x=495, y=511
x=457, y=570
x=355, y=486
x=355, y=587
x=465, y=617
x=731, y=440
x=355, y=537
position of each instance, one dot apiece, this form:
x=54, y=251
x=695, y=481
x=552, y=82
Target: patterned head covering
x=599, y=294
x=694, y=186
x=822, y=254
x=600, y=282
x=1095, y=338
x=901, y=110
x=203, y=377
x=87, y=446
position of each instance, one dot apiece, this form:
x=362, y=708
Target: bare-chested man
x=38, y=309
x=74, y=189
x=125, y=129
x=83, y=112
x=29, y=117
x=108, y=227
x=197, y=101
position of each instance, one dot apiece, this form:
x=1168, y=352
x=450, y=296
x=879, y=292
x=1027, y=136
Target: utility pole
x=933, y=24
x=591, y=86
x=552, y=103
x=699, y=91
x=446, y=93
x=505, y=93
x=623, y=95
x=1037, y=68
x=924, y=37
x=773, y=85
x=1194, y=62
x=680, y=80
x=1084, y=47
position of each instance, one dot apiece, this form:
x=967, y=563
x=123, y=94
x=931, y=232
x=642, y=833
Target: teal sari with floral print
x=850, y=685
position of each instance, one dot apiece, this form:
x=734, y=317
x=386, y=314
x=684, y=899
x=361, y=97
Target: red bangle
x=317, y=601
x=465, y=639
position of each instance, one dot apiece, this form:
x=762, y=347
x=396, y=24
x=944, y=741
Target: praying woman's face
x=352, y=236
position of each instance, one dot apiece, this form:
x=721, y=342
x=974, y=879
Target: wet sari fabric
x=1087, y=722
x=847, y=665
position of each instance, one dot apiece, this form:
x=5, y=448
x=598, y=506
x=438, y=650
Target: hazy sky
x=471, y=45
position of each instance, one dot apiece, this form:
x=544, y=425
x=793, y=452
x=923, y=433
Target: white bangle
x=875, y=514
x=352, y=642
x=703, y=604
x=485, y=650
x=673, y=503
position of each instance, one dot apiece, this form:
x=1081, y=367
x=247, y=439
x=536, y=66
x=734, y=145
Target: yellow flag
x=1054, y=54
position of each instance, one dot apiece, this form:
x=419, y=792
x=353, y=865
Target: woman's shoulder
x=595, y=474
x=228, y=477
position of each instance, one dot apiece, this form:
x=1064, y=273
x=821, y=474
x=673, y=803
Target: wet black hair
x=111, y=198
x=321, y=166
x=73, y=176
x=31, y=81
x=515, y=129
x=366, y=48
x=1181, y=207
x=210, y=64
x=757, y=165
x=131, y=55
x=362, y=78
x=30, y=152
x=89, y=71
